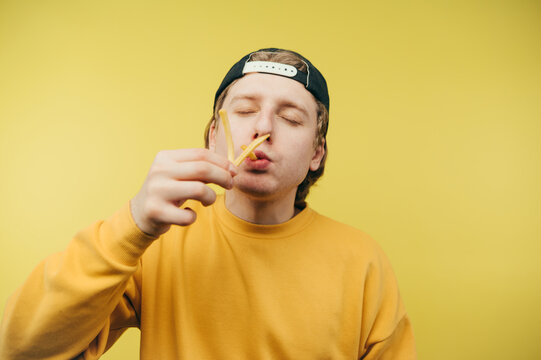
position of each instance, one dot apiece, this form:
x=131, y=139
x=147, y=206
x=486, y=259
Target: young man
x=254, y=274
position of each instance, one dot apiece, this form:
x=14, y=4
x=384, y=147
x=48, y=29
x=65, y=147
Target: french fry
x=250, y=155
x=249, y=149
x=228, y=137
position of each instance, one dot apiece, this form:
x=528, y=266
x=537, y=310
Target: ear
x=318, y=156
x=212, y=137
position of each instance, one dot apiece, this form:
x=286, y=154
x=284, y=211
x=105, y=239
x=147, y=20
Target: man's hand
x=174, y=177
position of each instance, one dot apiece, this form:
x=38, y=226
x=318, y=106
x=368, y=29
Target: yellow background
x=435, y=137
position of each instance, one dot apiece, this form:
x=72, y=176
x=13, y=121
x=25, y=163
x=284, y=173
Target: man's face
x=259, y=104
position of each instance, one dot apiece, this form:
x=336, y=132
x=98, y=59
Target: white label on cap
x=269, y=67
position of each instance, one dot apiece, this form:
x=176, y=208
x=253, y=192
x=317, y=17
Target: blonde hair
x=289, y=58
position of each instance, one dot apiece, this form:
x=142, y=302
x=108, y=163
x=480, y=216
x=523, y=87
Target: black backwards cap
x=312, y=79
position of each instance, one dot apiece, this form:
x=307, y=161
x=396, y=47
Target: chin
x=256, y=186
x=263, y=188
x=256, y=191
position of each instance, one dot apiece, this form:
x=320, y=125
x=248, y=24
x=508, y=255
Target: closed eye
x=245, y=111
x=291, y=120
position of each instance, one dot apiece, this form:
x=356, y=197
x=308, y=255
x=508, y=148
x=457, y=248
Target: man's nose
x=264, y=125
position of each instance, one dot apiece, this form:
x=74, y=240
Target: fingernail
x=233, y=170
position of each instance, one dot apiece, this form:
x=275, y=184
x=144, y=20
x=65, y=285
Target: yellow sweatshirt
x=222, y=288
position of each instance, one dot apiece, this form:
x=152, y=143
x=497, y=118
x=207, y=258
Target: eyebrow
x=283, y=102
x=244, y=97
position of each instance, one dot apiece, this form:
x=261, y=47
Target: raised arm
x=79, y=301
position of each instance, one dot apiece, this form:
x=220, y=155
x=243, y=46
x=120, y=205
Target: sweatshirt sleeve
x=387, y=332
x=78, y=302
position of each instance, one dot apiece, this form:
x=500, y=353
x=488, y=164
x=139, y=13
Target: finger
x=184, y=155
x=201, y=171
x=173, y=215
x=180, y=191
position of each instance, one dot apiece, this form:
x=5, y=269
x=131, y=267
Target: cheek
x=303, y=144
x=241, y=134
x=221, y=146
x=302, y=153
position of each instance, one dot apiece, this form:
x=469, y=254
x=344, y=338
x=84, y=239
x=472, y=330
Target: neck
x=260, y=211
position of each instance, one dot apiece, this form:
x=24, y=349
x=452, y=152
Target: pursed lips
x=261, y=155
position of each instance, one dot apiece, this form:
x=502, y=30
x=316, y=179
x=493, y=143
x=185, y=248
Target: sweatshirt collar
x=240, y=226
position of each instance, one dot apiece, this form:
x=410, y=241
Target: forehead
x=272, y=88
